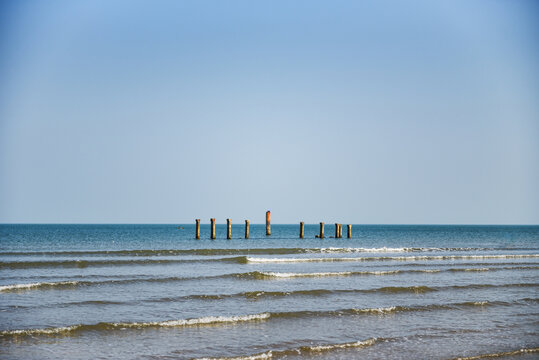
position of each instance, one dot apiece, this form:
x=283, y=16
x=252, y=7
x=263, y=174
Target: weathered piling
x=268, y=226
x=228, y=229
x=349, y=235
x=212, y=220
x=301, y=229
x=340, y=231
x=247, y=229
x=197, y=231
x=321, y=236
x=336, y=230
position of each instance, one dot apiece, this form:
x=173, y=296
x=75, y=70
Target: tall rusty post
x=212, y=220
x=197, y=231
x=321, y=230
x=228, y=229
x=247, y=229
x=349, y=231
x=268, y=225
x=301, y=229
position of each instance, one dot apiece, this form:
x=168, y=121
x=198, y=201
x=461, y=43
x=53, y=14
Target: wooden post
x=336, y=231
x=301, y=229
x=197, y=232
x=247, y=229
x=349, y=231
x=268, y=226
x=228, y=229
x=340, y=231
x=212, y=220
x=321, y=230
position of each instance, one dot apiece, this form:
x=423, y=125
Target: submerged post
x=247, y=229
x=212, y=220
x=301, y=229
x=228, y=229
x=349, y=231
x=268, y=226
x=321, y=230
x=197, y=232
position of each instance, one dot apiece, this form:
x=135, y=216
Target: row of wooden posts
x=338, y=228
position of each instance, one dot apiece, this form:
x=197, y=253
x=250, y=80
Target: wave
x=40, y=285
x=419, y=289
x=242, y=260
x=261, y=294
x=265, y=275
x=500, y=354
x=392, y=258
x=70, y=284
x=497, y=263
x=88, y=263
x=63, y=284
x=324, y=292
x=301, y=350
x=493, y=268
x=252, y=251
x=358, y=344
x=256, y=275
x=255, y=295
x=262, y=275
x=104, y=326
x=219, y=320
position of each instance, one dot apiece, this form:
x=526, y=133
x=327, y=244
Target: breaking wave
x=301, y=350
x=392, y=258
x=252, y=251
x=500, y=354
x=39, y=285
x=218, y=320
x=104, y=326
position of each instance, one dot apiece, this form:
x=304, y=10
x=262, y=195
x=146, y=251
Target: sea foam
x=16, y=287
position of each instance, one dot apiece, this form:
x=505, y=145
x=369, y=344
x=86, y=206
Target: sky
x=364, y=112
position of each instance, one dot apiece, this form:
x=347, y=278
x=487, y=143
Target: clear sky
x=375, y=111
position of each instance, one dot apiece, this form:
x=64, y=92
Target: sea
x=156, y=292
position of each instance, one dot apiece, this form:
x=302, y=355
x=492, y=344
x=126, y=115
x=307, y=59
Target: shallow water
x=154, y=292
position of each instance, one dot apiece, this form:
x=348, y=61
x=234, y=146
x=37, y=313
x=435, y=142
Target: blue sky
x=350, y=111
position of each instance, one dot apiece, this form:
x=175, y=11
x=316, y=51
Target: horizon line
x=297, y=223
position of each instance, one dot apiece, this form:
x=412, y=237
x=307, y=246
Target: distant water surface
x=154, y=292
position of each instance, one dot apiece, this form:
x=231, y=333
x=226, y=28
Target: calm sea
x=154, y=292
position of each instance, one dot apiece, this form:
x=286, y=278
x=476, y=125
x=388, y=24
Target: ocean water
x=154, y=292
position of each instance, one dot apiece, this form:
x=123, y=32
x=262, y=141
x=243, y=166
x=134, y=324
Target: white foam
x=320, y=274
x=480, y=303
x=461, y=257
x=386, y=310
x=477, y=269
x=343, y=346
x=48, y=331
x=170, y=323
x=390, y=250
x=286, y=260
x=265, y=355
x=35, y=285
x=389, y=258
x=372, y=250
x=298, y=351
x=198, y=321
